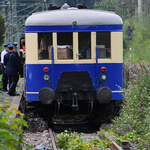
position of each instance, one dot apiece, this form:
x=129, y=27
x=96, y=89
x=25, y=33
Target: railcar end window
x=44, y=46
x=84, y=45
x=64, y=45
x=103, y=44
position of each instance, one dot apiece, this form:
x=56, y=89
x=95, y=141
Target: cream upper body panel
x=116, y=50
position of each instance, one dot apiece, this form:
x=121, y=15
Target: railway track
x=41, y=134
x=87, y=136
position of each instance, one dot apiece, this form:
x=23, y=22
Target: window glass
x=84, y=39
x=103, y=44
x=64, y=45
x=44, y=46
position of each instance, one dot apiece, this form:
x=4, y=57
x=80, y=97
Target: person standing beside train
x=20, y=56
x=15, y=50
x=4, y=76
x=12, y=63
x=21, y=53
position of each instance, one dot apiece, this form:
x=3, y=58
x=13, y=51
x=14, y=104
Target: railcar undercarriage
x=74, y=89
x=75, y=101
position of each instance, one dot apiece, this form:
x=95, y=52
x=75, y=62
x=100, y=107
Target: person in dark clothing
x=20, y=54
x=15, y=51
x=12, y=63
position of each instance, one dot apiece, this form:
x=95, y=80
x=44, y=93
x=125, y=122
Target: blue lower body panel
x=35, y=77
x=35, y=97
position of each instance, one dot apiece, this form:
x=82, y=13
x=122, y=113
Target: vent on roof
x=53, y=7
x=65, y=6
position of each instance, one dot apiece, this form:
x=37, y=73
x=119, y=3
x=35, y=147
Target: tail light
x=45, y=69
x=103, y=69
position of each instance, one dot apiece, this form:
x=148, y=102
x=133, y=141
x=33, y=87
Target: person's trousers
x=4, y=80
x=13, y=79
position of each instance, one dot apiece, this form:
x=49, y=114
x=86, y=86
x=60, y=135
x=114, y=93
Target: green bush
x=73, y=141
x=65, y=137
x=10, y=130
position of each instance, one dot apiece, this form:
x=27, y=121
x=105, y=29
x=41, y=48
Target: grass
x=140, y=42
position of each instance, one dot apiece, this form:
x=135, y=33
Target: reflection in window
x=44, y=45
x=103, y=44
x=84, y=45
x=64, y=45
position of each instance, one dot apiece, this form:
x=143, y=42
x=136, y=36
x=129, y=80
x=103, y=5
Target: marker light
x=45, y=69
x=46, y=77
x=103, y=77
x=103, y=69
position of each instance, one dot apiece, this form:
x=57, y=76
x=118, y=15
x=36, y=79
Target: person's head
x=22, y=41
x=6, y=47
x=15, y=47
x=10, y=47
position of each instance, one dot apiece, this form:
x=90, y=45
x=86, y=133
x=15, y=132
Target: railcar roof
x=68, y=16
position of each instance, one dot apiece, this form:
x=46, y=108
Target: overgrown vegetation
x=134, y=121
x=73, y=141
x=10, y=130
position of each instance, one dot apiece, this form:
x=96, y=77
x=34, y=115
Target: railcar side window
x=103, y=44
x=64, y=45
x=84, y=39
x=44, y=46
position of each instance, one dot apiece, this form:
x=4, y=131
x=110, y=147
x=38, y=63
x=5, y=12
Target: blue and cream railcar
x=74, y=55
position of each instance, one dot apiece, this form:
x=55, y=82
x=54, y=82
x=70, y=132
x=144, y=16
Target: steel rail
x=52, y=136
x=114, y=146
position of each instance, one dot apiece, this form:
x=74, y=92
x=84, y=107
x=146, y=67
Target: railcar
x=74, y=57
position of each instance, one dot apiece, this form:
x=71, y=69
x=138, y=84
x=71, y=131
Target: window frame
x=116, y=49
x=116, y=45
x=104, y=43
x=49, y=52
x=75, y=59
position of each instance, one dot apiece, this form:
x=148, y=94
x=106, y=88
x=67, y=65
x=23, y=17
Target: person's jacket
x=12, y=63
x=4, y=52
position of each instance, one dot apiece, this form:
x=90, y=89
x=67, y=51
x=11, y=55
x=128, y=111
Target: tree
x=108, y=5
x=2, y=29
x=88, y=3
